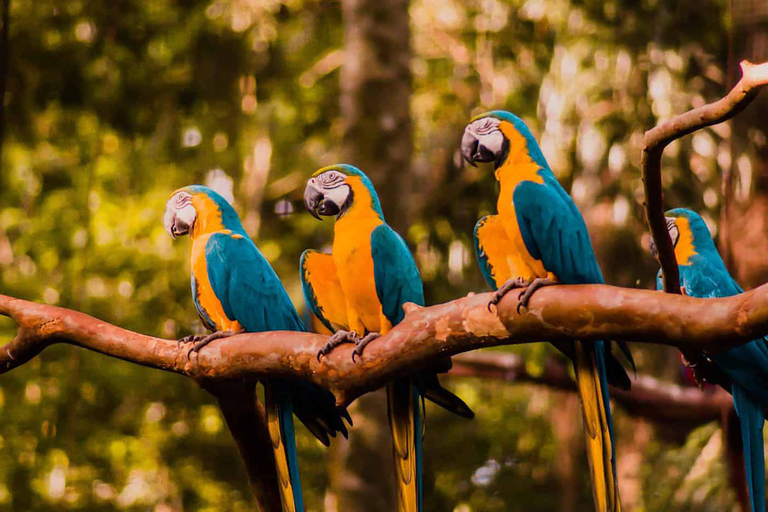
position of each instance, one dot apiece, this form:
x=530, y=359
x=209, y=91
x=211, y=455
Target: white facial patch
x=337, y=195
x=674, y=232
x=486, y=131
x=179, y=207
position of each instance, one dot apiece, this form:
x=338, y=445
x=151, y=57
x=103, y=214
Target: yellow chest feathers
x=517, y=167
x=354, y=264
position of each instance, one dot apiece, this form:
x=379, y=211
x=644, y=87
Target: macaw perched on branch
x=358, y=292
x=236, y=290
x=742, y=370
x=539, y=238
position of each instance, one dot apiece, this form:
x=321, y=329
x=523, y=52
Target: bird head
x=333, y=190
x=674, y=234
x=197, y=209
x=180, y=214
x=689, y=234
x=497, y=136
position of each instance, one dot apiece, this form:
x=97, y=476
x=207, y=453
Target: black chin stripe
x=503, y=153
x=347, y=202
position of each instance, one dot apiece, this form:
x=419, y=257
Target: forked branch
x=754, y=77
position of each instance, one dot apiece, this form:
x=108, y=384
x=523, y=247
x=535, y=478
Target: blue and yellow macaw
x=539, y=238
x=236, y=290
x=703, y=274
x=358, y=292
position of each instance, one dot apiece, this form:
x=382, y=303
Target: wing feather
x=554, y=232
x=397, y=279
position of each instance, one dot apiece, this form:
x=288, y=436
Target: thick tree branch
x=651, y=399
x=754, y=77
x=557, y=313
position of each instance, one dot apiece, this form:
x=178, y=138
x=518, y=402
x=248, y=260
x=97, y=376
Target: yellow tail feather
x=403, y=428
x=281, y=461
x=597, y=431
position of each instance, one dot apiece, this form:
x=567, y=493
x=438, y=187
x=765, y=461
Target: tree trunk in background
x=375, y=100
x=744, y=231
x=362, y=469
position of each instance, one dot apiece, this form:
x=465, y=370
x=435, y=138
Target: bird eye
x=182, y=199
x=330, y=178
x=485, y=126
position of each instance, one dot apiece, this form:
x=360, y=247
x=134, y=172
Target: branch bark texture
x=558, y=313
x=754, y=77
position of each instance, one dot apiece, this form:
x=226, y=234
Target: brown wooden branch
x=754, y=77
x=557, y=313
x=650, y=398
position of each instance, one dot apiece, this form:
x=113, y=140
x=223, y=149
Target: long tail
x=280, y=418
x=751, y=418
x=405, y=422
x=592, y=384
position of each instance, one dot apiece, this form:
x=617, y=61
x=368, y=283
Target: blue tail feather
x=285, y=411
x=751, y=417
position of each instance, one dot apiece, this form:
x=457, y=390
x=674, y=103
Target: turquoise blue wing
x=397, y=278
x=247, y=286
x=251, y=293
x=482, y=257
x=554, y=232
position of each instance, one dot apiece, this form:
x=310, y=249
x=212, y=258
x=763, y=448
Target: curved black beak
x=174, y=226
x=474, y=152
x=652, y=247
x=313, y=199
x=469, y=145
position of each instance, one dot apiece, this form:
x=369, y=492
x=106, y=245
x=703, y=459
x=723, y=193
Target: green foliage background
x=113, y=105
